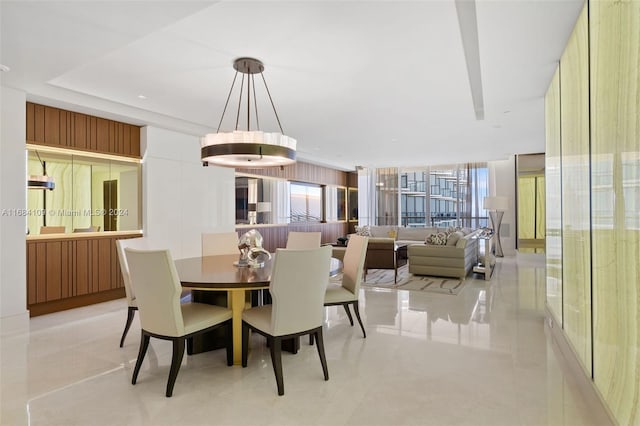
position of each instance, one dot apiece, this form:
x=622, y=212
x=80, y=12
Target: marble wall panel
x=553, y=179
x=576, y=246
x=615, y=165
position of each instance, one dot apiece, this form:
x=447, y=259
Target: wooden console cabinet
x=71, y=270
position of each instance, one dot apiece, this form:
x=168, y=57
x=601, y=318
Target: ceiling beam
x=468, y=23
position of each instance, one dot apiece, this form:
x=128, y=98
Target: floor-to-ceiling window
x=443, y=196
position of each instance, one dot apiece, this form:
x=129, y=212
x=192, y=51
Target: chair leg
x=311, y=339
x=320, y=346
x=189, y=345
x=356, y=309
x=176, y=360
x=346, y=308
x=276, y=360
x=131, y=312
x=229, y=342
x=144, y=344
x=245, y=343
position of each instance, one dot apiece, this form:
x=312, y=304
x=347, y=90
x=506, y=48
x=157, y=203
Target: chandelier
x=248, y=148
x=41, y=181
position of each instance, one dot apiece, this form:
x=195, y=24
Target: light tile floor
x=482, y=357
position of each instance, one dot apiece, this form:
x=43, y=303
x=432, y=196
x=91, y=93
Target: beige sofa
x=401, y=234
x=451, y=260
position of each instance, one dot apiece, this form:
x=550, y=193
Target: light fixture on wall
x=41, y=181
x=248, y=148
x=496, y=206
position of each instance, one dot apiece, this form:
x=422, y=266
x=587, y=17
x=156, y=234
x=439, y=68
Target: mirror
x=91, y=194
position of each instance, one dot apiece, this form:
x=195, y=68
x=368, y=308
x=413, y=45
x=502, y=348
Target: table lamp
x=496, y=206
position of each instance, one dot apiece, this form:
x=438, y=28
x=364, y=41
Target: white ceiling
x=371, y=83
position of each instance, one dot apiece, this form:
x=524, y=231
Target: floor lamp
x=496, y=206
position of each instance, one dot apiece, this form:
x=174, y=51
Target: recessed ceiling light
x=142, y=97
x=4, y=68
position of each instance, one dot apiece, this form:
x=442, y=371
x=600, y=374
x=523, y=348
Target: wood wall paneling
x=61, y=128
x=32, y=275
x=304, y=172
x=41, y=273
x=80, y=133
x=82, y=267
x=38, y=117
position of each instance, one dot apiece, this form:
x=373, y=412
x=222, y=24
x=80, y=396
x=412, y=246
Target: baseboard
x=569, y=361
x=75, y=302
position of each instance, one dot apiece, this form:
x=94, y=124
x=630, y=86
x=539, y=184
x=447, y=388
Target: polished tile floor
x=482, y=357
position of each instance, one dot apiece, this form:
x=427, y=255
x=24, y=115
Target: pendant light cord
x=226, y=103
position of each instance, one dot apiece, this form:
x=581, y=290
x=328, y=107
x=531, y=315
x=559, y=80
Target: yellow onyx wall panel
x=553, y=240
x=576, y=248
x=541, y=225
x=615, y=166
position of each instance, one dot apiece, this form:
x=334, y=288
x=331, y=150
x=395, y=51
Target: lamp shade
x=496, y=203
x=264, y=206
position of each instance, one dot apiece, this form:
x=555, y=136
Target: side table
x=485, y=263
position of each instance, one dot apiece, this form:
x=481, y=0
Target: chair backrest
x=303, y=240
x=220, y=243
x=138, y=243
x=154, y=277
x=353, y=263
x=89, y=229
x=298, y=282
x=52, y=230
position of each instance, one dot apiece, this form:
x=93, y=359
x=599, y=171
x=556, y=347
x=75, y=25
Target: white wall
x=181, y=198
x=13, y=174
x=502, y=181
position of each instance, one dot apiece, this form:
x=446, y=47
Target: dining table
x=222, y=274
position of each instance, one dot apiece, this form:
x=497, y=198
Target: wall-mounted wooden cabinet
x=60, y=128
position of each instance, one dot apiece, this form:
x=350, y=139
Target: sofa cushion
x=453, y=238
x=415, y=234
x=383, y=231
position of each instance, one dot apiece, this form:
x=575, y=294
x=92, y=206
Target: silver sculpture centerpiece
x=252, y=254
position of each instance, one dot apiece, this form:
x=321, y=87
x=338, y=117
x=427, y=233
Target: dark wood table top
x=220, y=273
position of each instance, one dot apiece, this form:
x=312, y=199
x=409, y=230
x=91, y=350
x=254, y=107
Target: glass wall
x=90, y=194
x=444, y=196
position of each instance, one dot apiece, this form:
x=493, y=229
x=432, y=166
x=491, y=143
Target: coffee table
x=386, y=255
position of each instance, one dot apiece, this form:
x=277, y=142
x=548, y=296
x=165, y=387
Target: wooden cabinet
x=69, y=271
x=66, y=129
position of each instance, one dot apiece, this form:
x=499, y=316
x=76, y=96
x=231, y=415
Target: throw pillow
x=364, y=231
x=437, y=239
x=393, y=234
x=453, y=238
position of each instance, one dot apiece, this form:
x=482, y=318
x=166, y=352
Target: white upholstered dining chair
x=346, y=293
x=220, y=243
x=303, y=240
x=298, y=282
x=153, y=275
x=130, y=295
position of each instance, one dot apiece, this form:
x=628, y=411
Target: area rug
x=433, y=284
x=383, y=278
